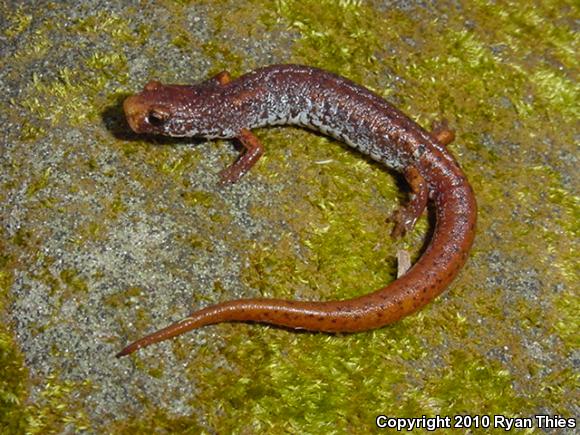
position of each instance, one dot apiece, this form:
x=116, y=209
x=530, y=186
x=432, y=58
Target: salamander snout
x=143, y=117
x=135, y=113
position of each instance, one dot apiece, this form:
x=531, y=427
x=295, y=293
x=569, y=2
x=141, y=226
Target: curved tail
x=447, y=252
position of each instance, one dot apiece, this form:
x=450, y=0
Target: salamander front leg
x=406, y=216
x=253, y=152
x=253, y=148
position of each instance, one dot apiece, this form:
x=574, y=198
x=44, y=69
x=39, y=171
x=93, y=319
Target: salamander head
x=171, y=110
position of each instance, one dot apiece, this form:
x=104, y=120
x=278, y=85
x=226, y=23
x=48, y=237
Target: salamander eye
x=156, y=118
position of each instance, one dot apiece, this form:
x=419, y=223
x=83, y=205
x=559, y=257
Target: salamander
x=222, y=107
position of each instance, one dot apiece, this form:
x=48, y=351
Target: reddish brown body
x=312, y=98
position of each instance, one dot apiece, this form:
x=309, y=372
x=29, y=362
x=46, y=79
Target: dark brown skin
x=316, y=99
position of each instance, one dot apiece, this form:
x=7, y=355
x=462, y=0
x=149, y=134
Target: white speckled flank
x=289, y=95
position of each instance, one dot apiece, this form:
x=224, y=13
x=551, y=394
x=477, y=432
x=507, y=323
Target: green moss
x=194, y=198
x=30, y=132
x=309, y=383
x=57, y=408
x=155, y=371
x=471, y=381
x=73, y=95
x=161, y=421
x=22, y=238
x=123, y=299
x=567, y=323
x=18, y=22
x=72, y=280
x=13, y=382
x=13, y=385
x=40, y=183
x=334, y=35
x=108, y=64
x=182, y=40
x=558, y=91
x=117, y=206
x=178, y=165
x=67, y=98
x=115, y=27
x=224, y=57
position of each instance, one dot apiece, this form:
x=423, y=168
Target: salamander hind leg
x=223, y=78
x=406, y=216
x=253, y=151
x=441, y=132
x=220, y=79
